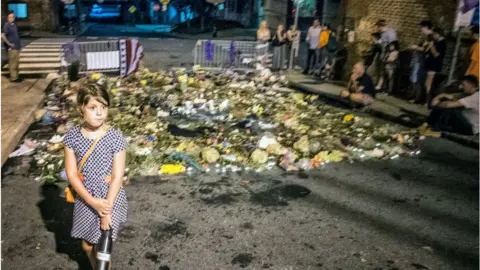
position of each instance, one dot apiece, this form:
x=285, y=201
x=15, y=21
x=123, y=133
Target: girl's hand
x=106, y=222
x=102, y=206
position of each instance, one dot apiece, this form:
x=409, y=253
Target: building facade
x=37, y=14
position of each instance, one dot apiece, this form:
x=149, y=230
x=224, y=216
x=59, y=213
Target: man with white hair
x=360, y=88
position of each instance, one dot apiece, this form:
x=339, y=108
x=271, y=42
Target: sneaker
x=430, y=133
x=17, y=80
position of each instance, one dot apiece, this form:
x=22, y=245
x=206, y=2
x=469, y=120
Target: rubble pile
x=194, y=121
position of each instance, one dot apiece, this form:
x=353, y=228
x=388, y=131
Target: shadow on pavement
x=57, y=215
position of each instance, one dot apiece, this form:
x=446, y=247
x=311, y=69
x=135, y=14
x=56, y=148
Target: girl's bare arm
x=117, y=176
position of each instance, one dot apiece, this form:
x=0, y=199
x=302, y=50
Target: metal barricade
x=93, y=56
x=99, y=56
x=225, y=54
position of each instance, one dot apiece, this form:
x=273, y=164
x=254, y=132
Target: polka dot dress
x=86, y=221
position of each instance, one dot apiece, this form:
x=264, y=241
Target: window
x=19, y=9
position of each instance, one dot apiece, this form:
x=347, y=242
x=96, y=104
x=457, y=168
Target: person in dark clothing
x=373, y=59
x=435, y=52
x=278, y=45
x=313, y=38
x=389, y=64
x=418, y=73
x=360, y=88
x=11, y=38
x=455, y=113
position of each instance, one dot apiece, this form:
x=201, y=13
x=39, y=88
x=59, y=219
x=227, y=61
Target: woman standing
x=278, y=44
x=263, y=33
x=293, y=36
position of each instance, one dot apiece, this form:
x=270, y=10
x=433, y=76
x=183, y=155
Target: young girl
x=101, y=203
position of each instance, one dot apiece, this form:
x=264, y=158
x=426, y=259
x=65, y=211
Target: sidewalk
x=19, y=102
x=163, y=31
x=384, y=106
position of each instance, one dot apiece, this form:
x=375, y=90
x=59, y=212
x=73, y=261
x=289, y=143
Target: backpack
x=332, y=42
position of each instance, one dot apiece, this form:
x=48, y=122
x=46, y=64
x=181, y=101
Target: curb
x=469, y=141
x=24, y=121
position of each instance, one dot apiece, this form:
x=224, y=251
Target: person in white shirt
x=389, y=34
x=313, y=37
x=457, y=114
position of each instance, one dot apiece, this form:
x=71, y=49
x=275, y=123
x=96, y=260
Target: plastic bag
x=304, y=164
x=172, y=169
x=266, y=140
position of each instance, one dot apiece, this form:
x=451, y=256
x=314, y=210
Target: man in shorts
x=360, y=88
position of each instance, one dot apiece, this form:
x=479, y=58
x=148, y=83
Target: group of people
x=457, y=113
x=321, y=47
x=286, y=45
x=382, y=60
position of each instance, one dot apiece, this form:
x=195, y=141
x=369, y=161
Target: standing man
x=389, y=34
x=313, y=37
x=322, y=45
x=12, y=39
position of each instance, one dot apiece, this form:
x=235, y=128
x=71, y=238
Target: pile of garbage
x=193, y=121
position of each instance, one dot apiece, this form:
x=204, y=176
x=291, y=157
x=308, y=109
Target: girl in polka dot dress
x=101, y=202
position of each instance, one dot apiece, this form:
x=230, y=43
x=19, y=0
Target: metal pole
x=297, y=5
x=455, y=55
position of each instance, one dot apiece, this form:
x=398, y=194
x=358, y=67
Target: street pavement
x=417, y=212
x=408, y=213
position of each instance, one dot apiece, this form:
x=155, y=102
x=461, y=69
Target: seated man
x=454, y=113
x=360, y=88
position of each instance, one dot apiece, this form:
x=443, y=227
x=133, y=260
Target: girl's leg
x=89, y=248
x=428, y=84
x=390, y=73
x=309, y=58
x=380, y=84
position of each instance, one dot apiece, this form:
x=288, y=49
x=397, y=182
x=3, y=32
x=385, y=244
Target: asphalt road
x=409, y=213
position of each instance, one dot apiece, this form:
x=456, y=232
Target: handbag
x=70, y=193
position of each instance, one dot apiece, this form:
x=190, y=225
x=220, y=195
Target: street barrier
x=225, y=54
x=93, y=56
x=99, y=56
